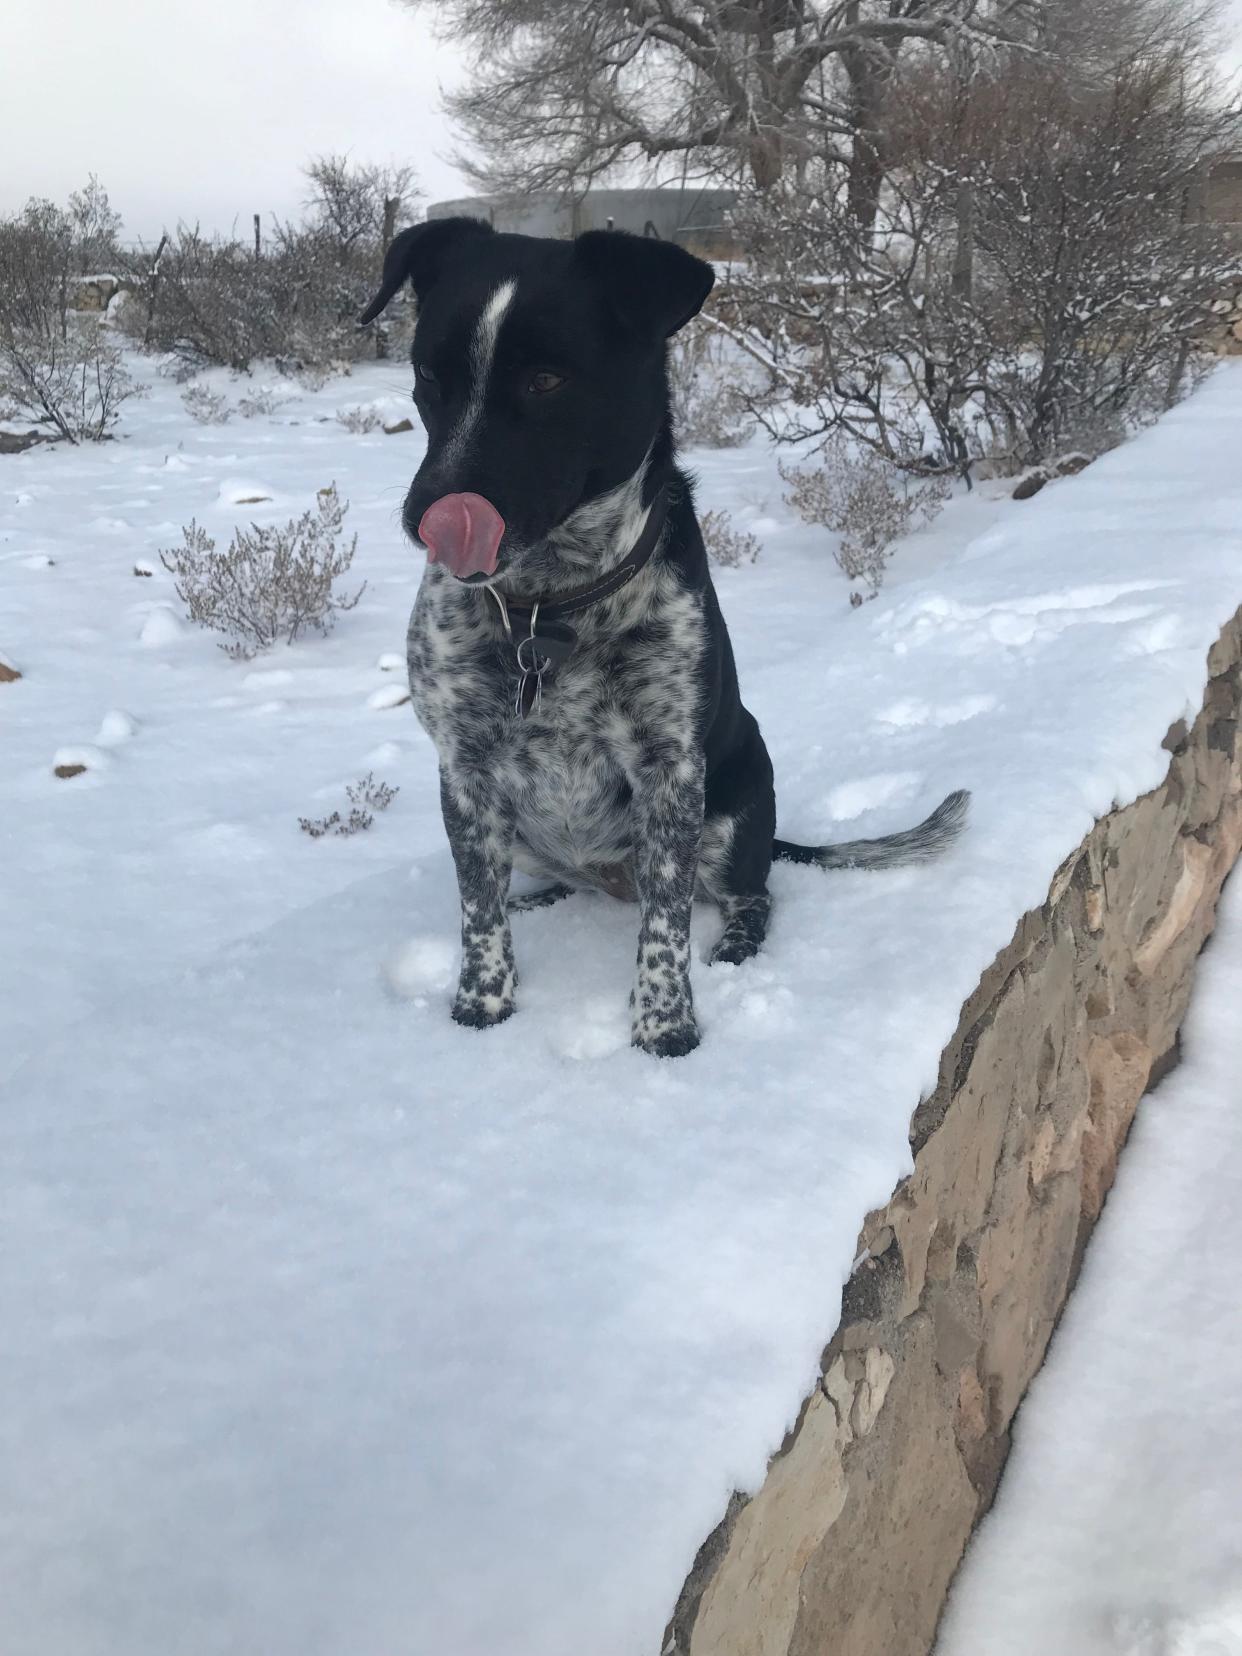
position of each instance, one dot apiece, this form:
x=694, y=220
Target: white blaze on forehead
x=482, y=352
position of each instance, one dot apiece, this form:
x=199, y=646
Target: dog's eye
x=422, y=372
x=546, y=381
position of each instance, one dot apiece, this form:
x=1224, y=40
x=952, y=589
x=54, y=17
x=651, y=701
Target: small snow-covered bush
x=273, y=582
x=262, y=400
x=708, y=411
x=312, y=376
x=366, y=796
x=359, y=420
x=206, y=406
x=868, y=502
x=725, y=544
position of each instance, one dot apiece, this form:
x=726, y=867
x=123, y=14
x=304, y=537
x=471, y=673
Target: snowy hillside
x=331, y=1326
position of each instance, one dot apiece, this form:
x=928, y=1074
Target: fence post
x=391, y=204
x=153, y=286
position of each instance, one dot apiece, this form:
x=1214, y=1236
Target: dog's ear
x=654, y=286
x=416, y=256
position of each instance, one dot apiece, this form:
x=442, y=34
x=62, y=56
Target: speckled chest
x=631, y=688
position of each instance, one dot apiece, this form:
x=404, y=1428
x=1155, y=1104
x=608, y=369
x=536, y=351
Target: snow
x=162, y=625
x=1117, y=1530
x=389, y=695
x=330, y=1326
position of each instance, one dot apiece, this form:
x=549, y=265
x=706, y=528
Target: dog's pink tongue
x=462, y=531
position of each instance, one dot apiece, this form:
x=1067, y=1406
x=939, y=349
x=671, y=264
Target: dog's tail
x=911, y=845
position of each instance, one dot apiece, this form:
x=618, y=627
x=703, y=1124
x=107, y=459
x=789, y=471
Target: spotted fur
x=638, y=772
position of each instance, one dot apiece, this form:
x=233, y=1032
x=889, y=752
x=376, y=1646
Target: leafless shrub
x=262, y=400
x=73, y=383
x=869, y=503
x=212, y=299
x=726, y=545
x=359, y=420
x=206, y=406
x=708, y=410
x=312, y=376
x=272, y=582
x=60, y=369
x=365, y=797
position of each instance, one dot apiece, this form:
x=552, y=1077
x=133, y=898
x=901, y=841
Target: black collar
x=540, y=629
x=519, y=613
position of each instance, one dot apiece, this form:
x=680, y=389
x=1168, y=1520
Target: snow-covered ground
x=1118, y=1527
x=330, y=1326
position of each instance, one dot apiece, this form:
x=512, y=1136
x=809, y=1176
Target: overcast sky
x=204, y=110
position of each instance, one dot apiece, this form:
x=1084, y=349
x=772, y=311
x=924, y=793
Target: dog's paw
x=663, y=1031
x=666, y=1040
x=662, y=1011
x=482, y=1011
x=733, y=950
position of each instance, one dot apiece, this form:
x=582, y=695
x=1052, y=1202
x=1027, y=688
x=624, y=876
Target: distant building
x=1222, y=191
x=694, y=218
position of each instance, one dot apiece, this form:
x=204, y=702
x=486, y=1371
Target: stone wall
x=849, y=1547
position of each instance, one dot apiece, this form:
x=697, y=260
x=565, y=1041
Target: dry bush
x=210, y=299
x=263, y=400
x=73, y=383
x=273, y=582
x=708, y=411
x=206, y=406
x=365, y=798
x=359, y=420
x=725, y=544
x=59, y=368
x=312, y=376
x=868, y=502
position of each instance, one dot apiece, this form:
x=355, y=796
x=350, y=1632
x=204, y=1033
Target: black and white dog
x=567, y=653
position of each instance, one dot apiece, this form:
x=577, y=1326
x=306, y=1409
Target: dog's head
x=539, y=375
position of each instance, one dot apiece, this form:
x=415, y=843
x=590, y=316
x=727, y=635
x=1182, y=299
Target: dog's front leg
x=668, y=829
x=479, y=820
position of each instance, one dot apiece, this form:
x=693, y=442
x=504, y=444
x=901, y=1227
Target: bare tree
x=354, y=204
x=95, y=227
x=729, y=88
